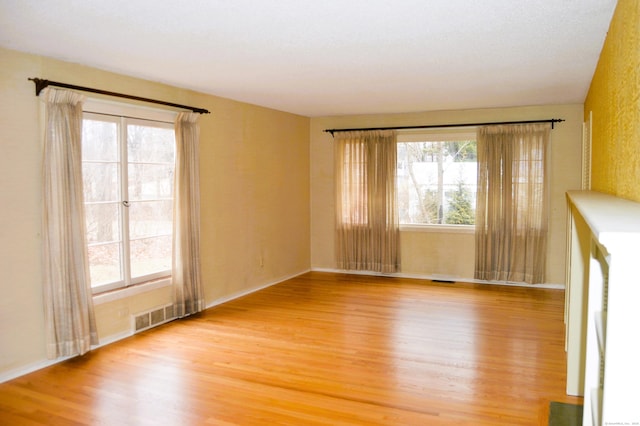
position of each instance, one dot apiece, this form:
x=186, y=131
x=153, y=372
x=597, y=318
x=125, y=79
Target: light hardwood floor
x=321, y=349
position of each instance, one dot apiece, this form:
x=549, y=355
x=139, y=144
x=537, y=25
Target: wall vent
x=152, y=318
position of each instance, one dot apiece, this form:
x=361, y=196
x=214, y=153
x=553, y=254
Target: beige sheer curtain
x=187, y=282
x=69, y=316
x=512, y=203
x=367, y=230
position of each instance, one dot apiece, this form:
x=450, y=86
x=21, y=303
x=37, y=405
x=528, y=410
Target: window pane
x=147, y=169
x=100, y=182
x=103, y=222
x=150, y=181
x=147, y=144
x=104, y=264
x=436, y=182
x=150, y=218
x=99, y=140
x=150, y=255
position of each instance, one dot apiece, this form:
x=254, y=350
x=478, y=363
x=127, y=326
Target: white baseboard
x=253, y=290
x=29, y=368
x=440, y=277
x=39, y=365
x=113, y=338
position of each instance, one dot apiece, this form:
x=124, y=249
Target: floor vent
x=152, y=318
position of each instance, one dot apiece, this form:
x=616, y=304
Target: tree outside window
x=437, y=181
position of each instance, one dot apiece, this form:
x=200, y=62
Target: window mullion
x=124, y=205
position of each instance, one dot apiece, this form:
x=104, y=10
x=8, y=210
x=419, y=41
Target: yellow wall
x=447, y=254
x=254, y=181
x=614, y=99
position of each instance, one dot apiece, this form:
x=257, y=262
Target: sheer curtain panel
x=187, y=282
x=367, y=229
x=70, y=322
x=512, y=203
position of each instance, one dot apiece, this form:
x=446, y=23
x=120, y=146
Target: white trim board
x=243, y=293
x=39, y=365
x=438, y=277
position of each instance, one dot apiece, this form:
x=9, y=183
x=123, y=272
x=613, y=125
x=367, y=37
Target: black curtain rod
x=440, y=126
x=41, y=84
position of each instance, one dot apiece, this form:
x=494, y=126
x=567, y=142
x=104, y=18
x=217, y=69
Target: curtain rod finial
x=40, y=84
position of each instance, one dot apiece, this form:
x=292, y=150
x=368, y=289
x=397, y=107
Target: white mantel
x=602, y=309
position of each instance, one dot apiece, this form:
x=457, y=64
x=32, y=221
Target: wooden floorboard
x=321, y=349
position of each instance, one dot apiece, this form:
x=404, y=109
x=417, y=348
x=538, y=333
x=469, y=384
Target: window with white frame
x=128, y=166
x=437, y=177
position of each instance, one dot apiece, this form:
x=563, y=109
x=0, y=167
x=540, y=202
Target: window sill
x=133, y=290
x=443, y=229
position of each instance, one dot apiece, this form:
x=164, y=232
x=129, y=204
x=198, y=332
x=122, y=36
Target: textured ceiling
x=330, y=57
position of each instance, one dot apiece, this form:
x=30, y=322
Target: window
x=437, y=178
x=128, y=167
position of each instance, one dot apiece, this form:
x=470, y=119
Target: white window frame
x=437, y=135
x=117, y=113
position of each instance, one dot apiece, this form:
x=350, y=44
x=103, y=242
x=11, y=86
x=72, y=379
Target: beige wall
x=444, y=254
x=614, y=100
x=267, y=198
x=254, y=187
